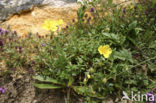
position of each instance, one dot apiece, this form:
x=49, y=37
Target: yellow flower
x=46, y=25
x=88, y=76
x=52, y=24
x=105, y=50
x=60, y=22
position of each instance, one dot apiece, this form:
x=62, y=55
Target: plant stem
x=68, y=95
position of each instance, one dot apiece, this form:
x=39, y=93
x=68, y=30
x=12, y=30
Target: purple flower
x=43, y=45
x=10, y=39
x=13, y=69
x=151, y=9
x=149, y=94
x=15, y=32
x=92, y=10
x=88, y=19
x=0, y=29
x=19, y=49
x=86, y=15
x=6, y=31
x=124, y=10
x=38, y=35
x=83, y=20
x=135, y=7
x=31, y=70
x=33, y=62
x=2, y=32
x=67, y=26
x=73, y=21
x=2, y=90
x=1, y=43
x=146, y=12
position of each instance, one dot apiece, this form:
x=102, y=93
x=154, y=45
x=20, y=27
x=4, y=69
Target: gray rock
x=9, y=7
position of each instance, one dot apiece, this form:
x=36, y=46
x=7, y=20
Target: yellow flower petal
x=100, y=49
x=52, y=24
x=60, y=22
x=105, y=50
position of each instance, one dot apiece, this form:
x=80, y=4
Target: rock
x=9, y=7
x=17, y=91
x=32, y=21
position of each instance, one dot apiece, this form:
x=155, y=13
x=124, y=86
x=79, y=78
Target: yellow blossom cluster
x=52, y=25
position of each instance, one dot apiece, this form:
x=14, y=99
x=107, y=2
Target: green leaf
x=71, y=80
x=115, y=37
x=81, y=13
x=154, y=1
x=46, y=79
x=110, y=2
x=146, y=82
x=132, y=25
x=133, y=41
x=131, y=82
x=152, y=44
x=46, y=86
x=152, y=66
x=134, y=89
x=123, y=55
x=152, y=85
x=137, y=30
x=81, y=90
x=111, y=35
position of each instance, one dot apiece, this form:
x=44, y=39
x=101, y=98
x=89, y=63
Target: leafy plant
x=109, y=50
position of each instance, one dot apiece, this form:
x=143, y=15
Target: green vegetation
x=72, y=59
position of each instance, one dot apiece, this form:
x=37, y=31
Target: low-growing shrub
x=101, y=55
x=110, y=49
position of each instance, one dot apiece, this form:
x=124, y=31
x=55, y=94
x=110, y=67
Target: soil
x=19, y=89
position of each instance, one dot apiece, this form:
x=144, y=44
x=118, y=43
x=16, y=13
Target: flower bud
x=88, y=76
x=85, y=80
x=91, y=70
x=104, y=80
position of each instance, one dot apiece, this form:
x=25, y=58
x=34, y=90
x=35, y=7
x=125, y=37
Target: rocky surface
x=9, y=7
x=28, y=15
x=32, y=21
x=19, y=89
